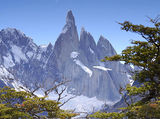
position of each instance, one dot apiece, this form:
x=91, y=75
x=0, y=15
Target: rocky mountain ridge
x=70, y=58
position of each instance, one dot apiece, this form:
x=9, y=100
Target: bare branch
x=67, y=100
x=60, y=93
x=121, y=89
x=51, y=89
x=28, y=91
x=155, y=20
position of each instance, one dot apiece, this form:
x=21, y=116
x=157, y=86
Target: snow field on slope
x=80, y=104
x=18, y=54
x=86, y=69
x=102, y=68
x=74, y=55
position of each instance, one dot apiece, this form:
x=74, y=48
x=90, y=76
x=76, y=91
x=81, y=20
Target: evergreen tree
x=25, y=105
x=146, y=56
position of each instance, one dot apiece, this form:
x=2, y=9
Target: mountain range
x=72, y=57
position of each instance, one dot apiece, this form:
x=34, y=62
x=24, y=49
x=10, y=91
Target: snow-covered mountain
x=7, y=79
x=72, y=58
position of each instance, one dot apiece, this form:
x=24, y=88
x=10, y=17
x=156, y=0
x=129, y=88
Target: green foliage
x=146, y=56
x=21, y=104
x=103, y=115
x=9, y=113
x=143, y=111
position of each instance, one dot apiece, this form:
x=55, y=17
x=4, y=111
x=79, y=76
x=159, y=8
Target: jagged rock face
x=67, y=42
x=19, y=50
x=16, y=47
x=13, y=36
x=23, y=58
x=7, y=79
x=119, y=72
x=104, y=48
x=88, y=47
x=70, y=58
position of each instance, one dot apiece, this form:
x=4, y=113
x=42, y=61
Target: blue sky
x=43, y=20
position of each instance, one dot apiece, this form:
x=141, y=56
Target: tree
x=22, y=104
x=146, y=56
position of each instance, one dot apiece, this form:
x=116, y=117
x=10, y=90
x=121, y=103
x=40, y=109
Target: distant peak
x=102, y=39
x=70, y=23
x=69, y=12
x=70, y=18
x=50, y=45
x=84, y=31
x=86, y=37
x=12, y=31
x=9, y=30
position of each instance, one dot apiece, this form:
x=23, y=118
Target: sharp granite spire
x=88, y=46
x=70, y=18
x=67, y=42
x=70, y=58
x=70, y=23
x=105, y=48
